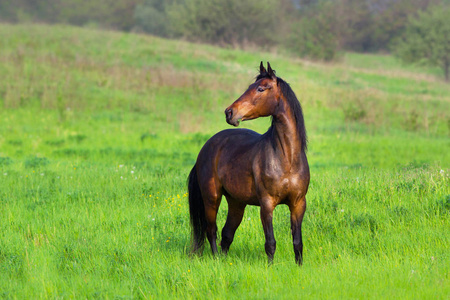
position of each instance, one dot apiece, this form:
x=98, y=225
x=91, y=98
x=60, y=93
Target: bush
x=232, y=22
x=150, y=16
x=313, y=36
x=427, y=39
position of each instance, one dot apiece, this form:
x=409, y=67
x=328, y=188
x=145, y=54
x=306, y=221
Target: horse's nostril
x=228, y=113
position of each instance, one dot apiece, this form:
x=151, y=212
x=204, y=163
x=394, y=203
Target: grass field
x=98, y=131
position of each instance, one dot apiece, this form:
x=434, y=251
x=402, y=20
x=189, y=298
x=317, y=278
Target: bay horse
x=253, y=169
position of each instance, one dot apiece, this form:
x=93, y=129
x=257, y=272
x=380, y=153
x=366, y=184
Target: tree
x=427, y=39
x=151, y=16
x=354, y=24
x=313, y=35
x=226, y=22
x=391, y=18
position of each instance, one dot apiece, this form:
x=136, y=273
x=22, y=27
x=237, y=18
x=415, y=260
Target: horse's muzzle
x=230, y=117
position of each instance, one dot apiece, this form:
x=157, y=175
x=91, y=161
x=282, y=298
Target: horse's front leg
x=297, y=212
x=266, y=218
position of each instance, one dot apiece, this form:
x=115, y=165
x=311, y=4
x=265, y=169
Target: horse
x=253, y=169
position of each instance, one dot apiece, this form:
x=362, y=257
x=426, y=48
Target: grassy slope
x=98, y=131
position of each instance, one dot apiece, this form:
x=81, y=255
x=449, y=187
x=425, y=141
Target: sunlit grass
x=88, y=217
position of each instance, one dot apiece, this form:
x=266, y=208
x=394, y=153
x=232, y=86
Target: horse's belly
x=238, y=183
x=241, y=194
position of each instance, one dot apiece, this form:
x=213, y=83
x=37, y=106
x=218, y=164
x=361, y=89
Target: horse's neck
x=285, y=133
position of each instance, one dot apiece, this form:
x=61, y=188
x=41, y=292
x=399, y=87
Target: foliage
x=323, y=27
x=151, y=17
x=117, y=14
x=372, y=25
x=313, y=36
x=317, y=29
x=392, y=20
x=427, y=39
x=353, y=22
x=231, y=22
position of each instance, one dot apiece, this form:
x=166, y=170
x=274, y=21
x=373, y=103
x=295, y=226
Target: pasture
x=99, y=130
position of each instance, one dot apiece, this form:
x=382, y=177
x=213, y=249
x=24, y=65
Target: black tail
x=197, y=211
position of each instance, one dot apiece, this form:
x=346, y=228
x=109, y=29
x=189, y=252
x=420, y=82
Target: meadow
x=99, y=130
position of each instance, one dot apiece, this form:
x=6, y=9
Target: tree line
x=316, y=29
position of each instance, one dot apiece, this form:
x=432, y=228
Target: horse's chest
x=279, y=180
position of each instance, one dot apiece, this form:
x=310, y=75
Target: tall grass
x=98, y=131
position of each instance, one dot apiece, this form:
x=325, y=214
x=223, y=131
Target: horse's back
x=241, y=134
x=230, y=140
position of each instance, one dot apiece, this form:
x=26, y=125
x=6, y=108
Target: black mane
x=294, y=104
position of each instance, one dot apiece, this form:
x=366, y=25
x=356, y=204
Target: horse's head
x=259, y=100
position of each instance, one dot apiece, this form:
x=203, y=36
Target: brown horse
x=253, y=169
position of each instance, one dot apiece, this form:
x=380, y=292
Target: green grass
x=382, y=63
x=98, y=131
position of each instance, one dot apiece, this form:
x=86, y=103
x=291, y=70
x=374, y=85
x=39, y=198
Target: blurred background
x=317, y=29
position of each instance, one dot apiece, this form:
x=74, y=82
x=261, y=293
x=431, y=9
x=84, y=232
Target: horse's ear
x=262, y=69
x=270, y=71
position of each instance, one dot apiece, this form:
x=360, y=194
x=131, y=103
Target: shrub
x=427, y=39
x=313, y=36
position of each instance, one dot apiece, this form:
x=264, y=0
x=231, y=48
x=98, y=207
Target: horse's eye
x=260, y=89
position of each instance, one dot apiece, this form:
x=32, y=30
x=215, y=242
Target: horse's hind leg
x=297, y=213
x=212, y=196
x=234, y=218
x=211, y=227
